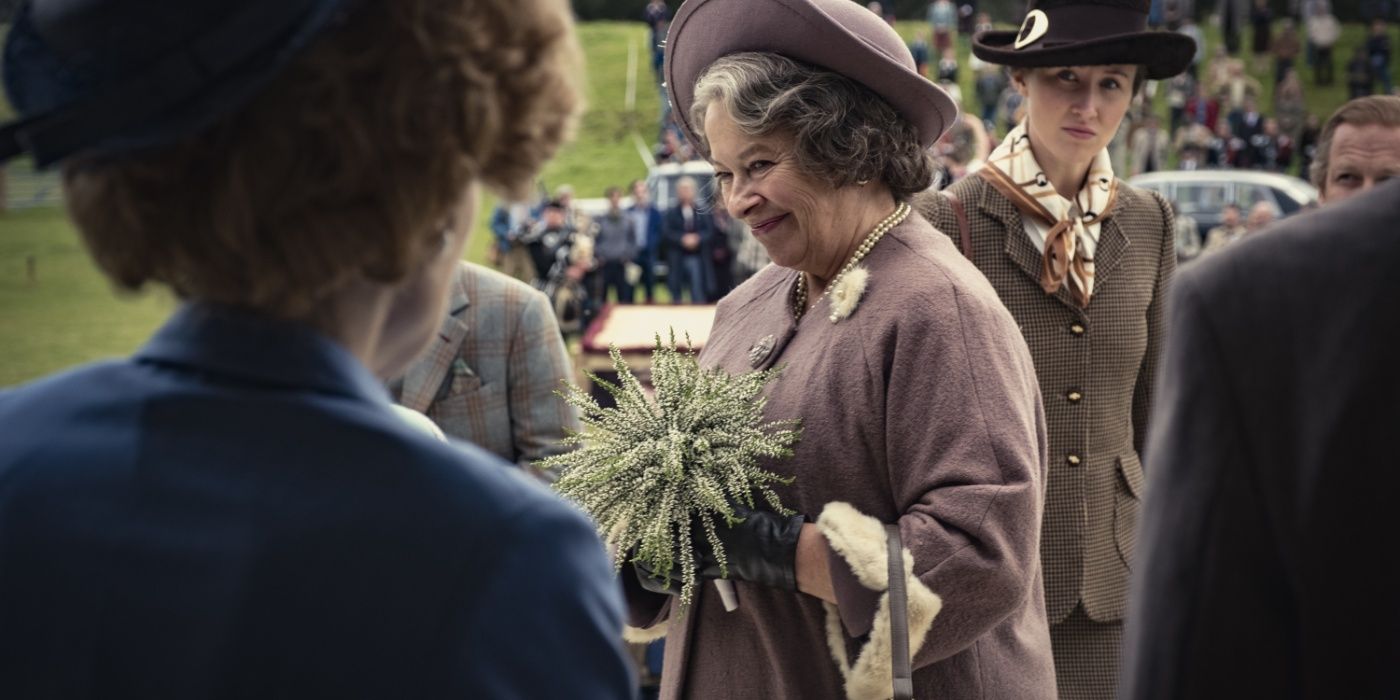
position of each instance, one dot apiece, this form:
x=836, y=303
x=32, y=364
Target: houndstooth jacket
x=1096, y=367
x=490, y=375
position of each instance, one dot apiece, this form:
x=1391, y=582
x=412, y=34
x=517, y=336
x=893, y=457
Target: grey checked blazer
x=490, y=375
x=1096, y=367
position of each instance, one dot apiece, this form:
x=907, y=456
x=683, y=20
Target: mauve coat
x=921, y=408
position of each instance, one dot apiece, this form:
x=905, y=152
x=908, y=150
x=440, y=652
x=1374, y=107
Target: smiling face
x=796, y=217
x=1360, y=158
x=1073, y=112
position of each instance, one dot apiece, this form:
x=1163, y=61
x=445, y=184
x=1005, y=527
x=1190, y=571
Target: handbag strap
x=964, y=235
x=900, y=667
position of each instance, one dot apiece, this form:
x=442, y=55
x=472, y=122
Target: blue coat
x=236, y=513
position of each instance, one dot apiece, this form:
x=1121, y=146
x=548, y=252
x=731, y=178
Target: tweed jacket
x=490, y=375
x=1096, y=367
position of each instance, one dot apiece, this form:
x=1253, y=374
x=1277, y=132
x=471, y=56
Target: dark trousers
x=1322, y=66
x=686, y=274
x=1380, y=68
x=647, y=261
x=1178, y=116
x=614, y=276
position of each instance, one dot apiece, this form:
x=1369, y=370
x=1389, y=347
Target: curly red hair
x=348, y=163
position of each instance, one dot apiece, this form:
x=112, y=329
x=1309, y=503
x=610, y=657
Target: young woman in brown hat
x=916, y=392
x=1083, y=261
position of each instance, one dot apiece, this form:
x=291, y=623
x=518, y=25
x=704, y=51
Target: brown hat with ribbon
x=838, y=35
x=1087, y=33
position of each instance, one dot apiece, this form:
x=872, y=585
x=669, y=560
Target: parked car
x=661, y=182
x=1203, y=194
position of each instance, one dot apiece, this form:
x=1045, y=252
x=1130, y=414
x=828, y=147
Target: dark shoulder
x=45, y=400
x=457, y=480
x=459, y=486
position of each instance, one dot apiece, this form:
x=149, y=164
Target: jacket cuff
x=859, y=540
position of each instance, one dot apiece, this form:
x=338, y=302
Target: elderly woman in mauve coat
x=917, y=394
x=1082, y=260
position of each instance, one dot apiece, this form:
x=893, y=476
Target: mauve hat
x=107, y=77
x=838, y=35
x=1087, y=33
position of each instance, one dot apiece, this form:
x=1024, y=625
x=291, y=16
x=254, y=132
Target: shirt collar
x=262, y=349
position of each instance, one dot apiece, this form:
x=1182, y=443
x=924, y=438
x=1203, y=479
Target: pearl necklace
x=799, y=303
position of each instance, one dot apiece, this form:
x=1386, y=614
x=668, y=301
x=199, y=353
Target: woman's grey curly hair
x=843, y=132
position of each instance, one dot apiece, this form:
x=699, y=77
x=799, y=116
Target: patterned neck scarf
x=1074, y=225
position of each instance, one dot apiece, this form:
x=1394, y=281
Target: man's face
x=640, y=195
x=685, y=193
x=1230, y=217
x=1260, y=215
x=554, y=217
x=1360, y=158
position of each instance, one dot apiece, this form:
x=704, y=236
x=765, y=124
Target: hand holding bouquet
x=648, y=470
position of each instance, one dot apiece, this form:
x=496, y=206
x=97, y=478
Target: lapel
x=1018, y=246
x=1113, y=241
x=421, y=383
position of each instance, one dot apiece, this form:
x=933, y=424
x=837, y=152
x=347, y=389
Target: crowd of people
x=1217, y=117
x=626, y=252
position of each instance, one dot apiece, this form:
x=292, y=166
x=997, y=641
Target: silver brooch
x=760, y=351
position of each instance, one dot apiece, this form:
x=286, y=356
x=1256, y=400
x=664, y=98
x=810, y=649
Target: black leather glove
x=761, y=549
x=651, y=581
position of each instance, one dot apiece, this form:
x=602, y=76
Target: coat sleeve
x=966, y=448
x=537, y=366
x=966, y=456
x=1156, y=326
x=551, y=599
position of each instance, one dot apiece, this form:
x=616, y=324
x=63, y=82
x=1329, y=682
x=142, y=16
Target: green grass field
x=67, y=314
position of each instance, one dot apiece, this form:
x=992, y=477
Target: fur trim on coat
x=640, y=635
x=860, y=540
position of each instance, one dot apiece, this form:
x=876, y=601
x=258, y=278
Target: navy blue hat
x=107, y=77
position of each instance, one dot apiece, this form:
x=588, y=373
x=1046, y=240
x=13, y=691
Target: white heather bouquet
x=646, y=470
